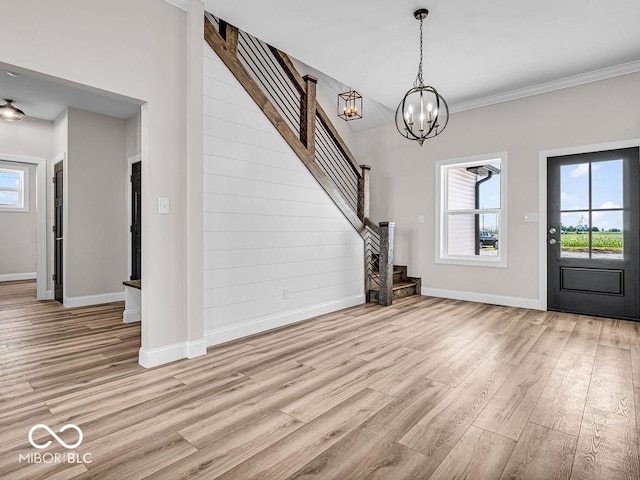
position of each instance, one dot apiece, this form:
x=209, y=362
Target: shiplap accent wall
x=268, y=224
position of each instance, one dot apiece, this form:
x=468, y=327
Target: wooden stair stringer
x=229, y=58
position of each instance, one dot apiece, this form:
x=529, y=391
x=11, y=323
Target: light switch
x=420, y=218
x=163, y=206
x=531, y=217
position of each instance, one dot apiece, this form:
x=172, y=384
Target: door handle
x=59, y=238
x=552, y=241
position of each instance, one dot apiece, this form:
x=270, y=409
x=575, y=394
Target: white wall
x=132, y=136
x=402, y=179
x=268, y=224
x=96, y=225
x=31, y=137
x=135, y=50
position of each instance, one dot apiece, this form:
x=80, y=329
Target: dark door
x=136, y=221
x=57, y=232
x=593, y=233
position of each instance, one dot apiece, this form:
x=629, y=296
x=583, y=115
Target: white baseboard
x=93, y=299
x=12, y=277
x=132, y=315
x=217, y=335
x=49, y=295
x=196, y=348
x=170, y=353
x=520, y=302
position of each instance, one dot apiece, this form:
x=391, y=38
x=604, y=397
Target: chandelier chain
x=419, y=80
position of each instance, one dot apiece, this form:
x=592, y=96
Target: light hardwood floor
x=425, y=389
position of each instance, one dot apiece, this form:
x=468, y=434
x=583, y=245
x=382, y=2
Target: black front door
x=57, y=232
x=593, y=233
x=136, y=221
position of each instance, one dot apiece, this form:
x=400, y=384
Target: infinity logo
x=52, y=433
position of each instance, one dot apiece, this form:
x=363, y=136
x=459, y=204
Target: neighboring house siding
x=269, y=226
x=462, y=196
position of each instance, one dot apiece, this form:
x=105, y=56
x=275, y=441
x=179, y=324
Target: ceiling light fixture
x=348, y=104
x=422, y=102
x=10, y=113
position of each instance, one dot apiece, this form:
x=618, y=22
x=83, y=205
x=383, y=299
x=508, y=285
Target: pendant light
x=422, y=113
x=10, y=113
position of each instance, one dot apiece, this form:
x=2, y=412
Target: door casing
x=542, y=202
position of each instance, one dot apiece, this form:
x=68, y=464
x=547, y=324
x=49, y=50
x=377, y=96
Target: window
x=14, y=188
x=471, y=215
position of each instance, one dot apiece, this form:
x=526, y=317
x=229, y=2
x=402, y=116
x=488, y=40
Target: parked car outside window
x=487, y=239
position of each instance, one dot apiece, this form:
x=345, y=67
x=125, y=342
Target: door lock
x=552, y=241
x=552, y=230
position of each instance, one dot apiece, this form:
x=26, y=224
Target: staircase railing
x=289, y=102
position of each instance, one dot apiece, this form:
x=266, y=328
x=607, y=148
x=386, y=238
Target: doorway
x=58, y=200
x=593, y=233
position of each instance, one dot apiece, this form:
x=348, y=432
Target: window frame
x=441, y=215
x=23, y=190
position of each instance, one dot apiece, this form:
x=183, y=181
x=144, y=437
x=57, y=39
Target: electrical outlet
x=285, y=293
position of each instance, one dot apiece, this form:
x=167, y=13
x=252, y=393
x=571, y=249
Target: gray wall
x=96, y=223
x=402, y=178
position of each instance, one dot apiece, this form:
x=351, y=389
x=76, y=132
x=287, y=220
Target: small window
x=14, y=188
x=471, y=216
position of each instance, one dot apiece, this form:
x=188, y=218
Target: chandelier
x=348, y=103
x=10, y=113
x=422, y=113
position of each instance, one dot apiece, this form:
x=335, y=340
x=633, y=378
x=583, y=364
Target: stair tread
x=399, y=285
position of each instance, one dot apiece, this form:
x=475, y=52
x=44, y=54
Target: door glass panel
x=574, y=186
x=607, y=235
x=574, y=234
x=606, y=184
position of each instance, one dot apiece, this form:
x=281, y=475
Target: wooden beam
x=299, y=82
x=385, y=294
x=291, y=71
x=308, y=115
x=230, y=35
x=363, y=193
x=229, y=58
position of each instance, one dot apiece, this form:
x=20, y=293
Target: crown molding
x=181, y=4
x=572, y=81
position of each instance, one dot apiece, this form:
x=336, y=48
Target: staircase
x=288, y=100
x=403, y=285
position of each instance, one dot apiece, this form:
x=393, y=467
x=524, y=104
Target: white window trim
x=441, y=255
x=11, y=167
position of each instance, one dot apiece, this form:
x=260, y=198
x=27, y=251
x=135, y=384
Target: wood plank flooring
x=426, y=389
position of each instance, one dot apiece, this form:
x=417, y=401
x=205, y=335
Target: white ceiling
x=474, y=51
x=46, y=98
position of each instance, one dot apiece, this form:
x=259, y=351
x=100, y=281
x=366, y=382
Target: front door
x=57, y=232
x=593, y=233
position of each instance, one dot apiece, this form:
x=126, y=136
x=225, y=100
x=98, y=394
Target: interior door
x=136, y=221
x=593, y=233
x=57, y=232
